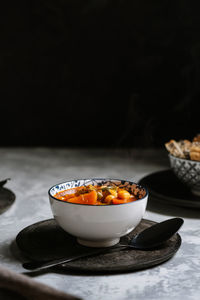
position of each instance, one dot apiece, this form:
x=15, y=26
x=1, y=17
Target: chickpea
x=109, y=198
x=123, y=194
x=113, y=192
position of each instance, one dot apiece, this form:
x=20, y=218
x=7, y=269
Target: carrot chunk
x=88, y=198
x=120, y=201
x=78, y=199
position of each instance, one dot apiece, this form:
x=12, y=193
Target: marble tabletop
x=34, y=170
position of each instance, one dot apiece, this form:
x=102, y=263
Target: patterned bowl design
x=188, y=171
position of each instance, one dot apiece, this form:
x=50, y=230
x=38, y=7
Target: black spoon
x=148, y=239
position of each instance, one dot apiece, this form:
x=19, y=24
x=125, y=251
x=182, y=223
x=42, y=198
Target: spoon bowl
x=156, y=235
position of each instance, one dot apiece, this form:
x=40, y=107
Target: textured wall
x=74, y=69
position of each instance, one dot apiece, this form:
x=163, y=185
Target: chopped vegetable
x=120, y=201
x=109, y=199
x=123, y=194
x=87, y=198
x=98, y=195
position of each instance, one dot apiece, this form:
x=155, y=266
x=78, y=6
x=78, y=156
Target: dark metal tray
x=45, y=240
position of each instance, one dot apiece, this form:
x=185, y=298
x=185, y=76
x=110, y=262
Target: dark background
x=99, y=73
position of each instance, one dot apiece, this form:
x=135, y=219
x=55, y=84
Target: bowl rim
x=184, y=159
x=99, y=178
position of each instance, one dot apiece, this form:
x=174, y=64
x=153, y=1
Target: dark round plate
x=45, y=241
x=7, y=198
x=165, y=187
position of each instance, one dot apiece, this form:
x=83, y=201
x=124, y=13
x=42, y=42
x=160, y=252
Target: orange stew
x=98, y=195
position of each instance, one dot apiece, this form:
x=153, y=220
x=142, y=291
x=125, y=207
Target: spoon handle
x=37, y=265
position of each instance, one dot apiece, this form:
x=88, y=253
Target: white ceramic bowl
x=98, y=225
